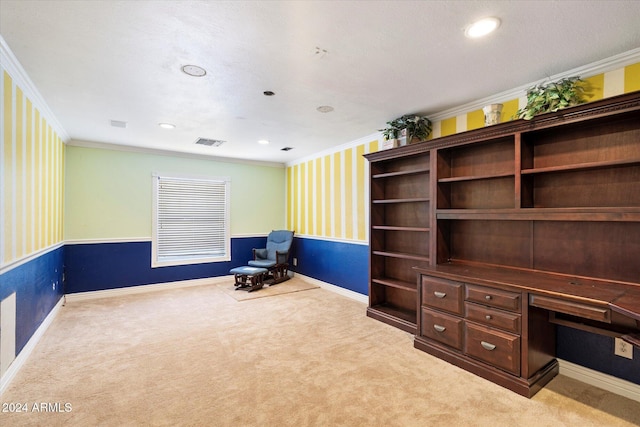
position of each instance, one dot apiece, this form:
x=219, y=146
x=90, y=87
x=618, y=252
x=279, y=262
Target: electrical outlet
x=295, y=262
x=623, y=348
x=53, y=286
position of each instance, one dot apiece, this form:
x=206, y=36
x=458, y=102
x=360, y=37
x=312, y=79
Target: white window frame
x=223, y=252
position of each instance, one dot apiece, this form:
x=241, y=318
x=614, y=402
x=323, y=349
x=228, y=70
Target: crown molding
x=598, y=67
x=377, y=136
x=170, y=153
x=13, y=67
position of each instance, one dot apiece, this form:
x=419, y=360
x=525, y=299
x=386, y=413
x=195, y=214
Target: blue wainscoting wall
x=102, y=266
x=338, y=263
x=33, y=282
x=596, y=352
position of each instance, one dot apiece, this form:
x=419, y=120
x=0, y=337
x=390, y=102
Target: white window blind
x=191, y=221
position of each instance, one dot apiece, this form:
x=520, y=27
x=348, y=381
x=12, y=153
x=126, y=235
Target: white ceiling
x=97, y=61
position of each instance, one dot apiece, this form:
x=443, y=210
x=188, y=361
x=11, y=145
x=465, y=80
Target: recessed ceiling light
x=194, y=70
x=263, y=142
x=325, y=108
x=167, y=125
x=268, y=93
x=482, y=27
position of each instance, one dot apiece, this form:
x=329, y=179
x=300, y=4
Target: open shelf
x=583, y=166
x=617, y=214
x=399, y=238
x=485, y=159
x=394, y=283
x=401, y=255
x=497, y=192
x=579, y=186
x=400, y=173
x=398, y=228
x=412, y=200
x=476, y=177
x=391, y=311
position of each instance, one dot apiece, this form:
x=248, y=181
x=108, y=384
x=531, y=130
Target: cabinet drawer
x=494, y=297
x=601, y=314
x=443, y=294
x=492, y=317
x=442, y=328
x=499, y=349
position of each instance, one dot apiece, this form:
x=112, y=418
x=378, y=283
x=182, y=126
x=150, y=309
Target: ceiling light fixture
x=325, y=108
x=482, y=27
x=263, y=142
x=194, y=70
x=167, y=125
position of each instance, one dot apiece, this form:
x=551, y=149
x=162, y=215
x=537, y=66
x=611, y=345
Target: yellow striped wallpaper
x=327, y=196
x=31, y=190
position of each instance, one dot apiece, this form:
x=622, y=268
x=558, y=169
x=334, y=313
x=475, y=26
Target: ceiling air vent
x=209, y=142
x=118, y=124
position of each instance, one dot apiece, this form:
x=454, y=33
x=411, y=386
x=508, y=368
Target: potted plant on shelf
x=552, y=96
x=410, y=128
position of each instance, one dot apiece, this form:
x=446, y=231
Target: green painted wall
x=108, y=193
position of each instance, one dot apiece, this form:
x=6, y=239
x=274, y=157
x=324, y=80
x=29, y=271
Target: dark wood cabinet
x=485, y=329
x=511, y=229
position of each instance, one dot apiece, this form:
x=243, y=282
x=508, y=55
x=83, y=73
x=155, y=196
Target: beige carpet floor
x=268, y=290
x=197, y=357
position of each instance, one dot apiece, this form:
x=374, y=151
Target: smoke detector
x=209, y=142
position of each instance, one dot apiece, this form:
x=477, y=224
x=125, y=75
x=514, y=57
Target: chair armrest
x=282, y=257
x=259, y=253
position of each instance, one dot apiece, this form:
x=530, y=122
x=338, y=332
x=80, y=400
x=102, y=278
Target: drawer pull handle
x=488, y=317
x=487, y=297
x=439, y=328
x=487, y=346
x=439, y=294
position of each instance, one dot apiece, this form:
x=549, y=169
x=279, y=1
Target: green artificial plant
x=418, y=127
x=552, y=96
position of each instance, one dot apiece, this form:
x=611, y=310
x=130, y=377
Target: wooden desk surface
x=623, y=298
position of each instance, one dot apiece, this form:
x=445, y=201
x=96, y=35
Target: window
x=190, y=220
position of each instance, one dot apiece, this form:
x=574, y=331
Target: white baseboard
x=21, y=359
x=129, y=290
x=598, y=379
x=337, y=289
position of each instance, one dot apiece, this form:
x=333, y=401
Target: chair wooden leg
x=249, y=283
x=257, y=282
x=241, y=280
x=280, y=273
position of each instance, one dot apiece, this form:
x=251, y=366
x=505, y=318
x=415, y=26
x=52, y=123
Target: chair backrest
x=278, y=240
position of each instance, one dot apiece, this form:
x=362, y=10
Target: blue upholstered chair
x=275, y=257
